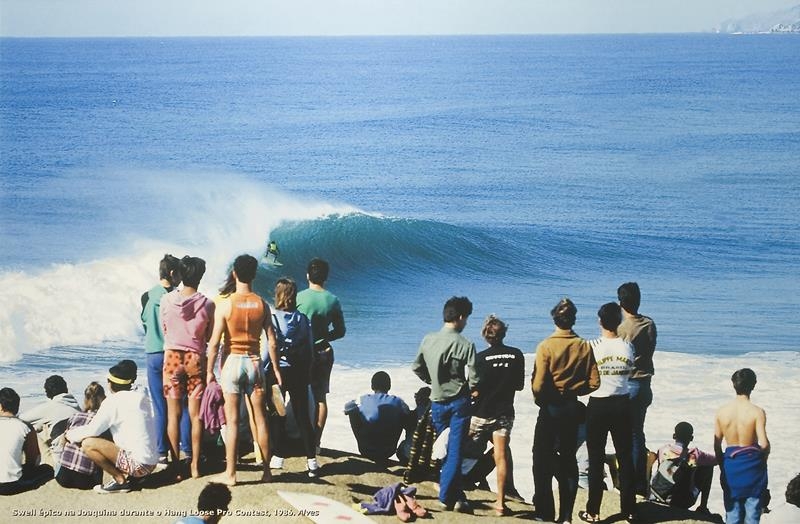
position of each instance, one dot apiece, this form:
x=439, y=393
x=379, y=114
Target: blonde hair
x=285, y=294
x=494, y=330
x=94, y=395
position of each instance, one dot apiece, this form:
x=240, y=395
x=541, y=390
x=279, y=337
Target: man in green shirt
x=327, y=324
x=440, y=362
x=169, y=277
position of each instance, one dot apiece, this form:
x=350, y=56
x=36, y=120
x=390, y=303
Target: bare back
x=741, y=423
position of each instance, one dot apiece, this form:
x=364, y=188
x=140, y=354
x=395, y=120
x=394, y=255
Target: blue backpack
x=294, y=338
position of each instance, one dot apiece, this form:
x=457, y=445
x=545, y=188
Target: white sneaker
x=276, y=462
x=313, y=468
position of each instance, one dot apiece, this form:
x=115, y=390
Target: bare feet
x=195, y=471
x=224, y=478
x=500, y=510
x=266, y=476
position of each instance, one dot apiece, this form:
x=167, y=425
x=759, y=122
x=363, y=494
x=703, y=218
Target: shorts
x=130, y=466
x=242, y=373
x=481, y=428
x=184, y=374
x=321, y=373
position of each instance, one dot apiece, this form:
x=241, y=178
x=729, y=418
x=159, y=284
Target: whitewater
x=514, y=170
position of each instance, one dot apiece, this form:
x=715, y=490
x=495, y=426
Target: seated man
x=379, y=421
x=49, y=418
x=18, y=441
x=128, y=414
x=698, y=471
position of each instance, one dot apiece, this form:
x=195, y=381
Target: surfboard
x=322, y=509
x=270, y=262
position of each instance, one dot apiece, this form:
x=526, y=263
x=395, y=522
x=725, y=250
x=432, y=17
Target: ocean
x=515, y=170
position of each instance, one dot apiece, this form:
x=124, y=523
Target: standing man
x=327, y=324
x=743, y=426
x=609, y=413
x=242, y=317
x=501, y=373
x=564, y=369
x=440, y=362
x=169, y=275
x=640, y=331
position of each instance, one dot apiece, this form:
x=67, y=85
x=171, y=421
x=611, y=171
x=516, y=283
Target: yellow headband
x=117, y=380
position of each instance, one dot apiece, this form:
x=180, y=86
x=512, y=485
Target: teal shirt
x=441, y=361
x=151, y=319
x=325, y=313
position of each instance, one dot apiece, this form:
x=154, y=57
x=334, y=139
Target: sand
x=345, y=477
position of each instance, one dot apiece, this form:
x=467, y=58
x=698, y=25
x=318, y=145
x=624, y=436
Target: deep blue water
x=514, y=170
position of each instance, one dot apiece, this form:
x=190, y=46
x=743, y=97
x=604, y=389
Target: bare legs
x=197, y=435
x=104, y=453
x=174, y=412
x=256, y=406
x=500, y=444
x=322, y=417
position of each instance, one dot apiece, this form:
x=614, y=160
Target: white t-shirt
x=12, y=440
x=129, y=416
x=614, y=358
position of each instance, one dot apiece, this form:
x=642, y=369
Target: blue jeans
x=641, y=397
x=743, y=511
x=155, y=383
x=453, y=413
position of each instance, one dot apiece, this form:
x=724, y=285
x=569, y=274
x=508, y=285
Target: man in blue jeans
x=154, y=348
x=441, y=362
x=640, y=331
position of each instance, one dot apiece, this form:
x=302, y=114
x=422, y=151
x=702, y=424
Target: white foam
x=90, y=302
x=686, y=387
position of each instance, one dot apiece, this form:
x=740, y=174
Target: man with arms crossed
x=743, y=426
x=440, y=362
x=640, y=331
x=327, y=324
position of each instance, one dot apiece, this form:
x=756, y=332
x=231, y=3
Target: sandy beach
x=346, y=478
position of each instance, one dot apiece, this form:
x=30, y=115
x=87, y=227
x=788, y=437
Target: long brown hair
x=285, y=294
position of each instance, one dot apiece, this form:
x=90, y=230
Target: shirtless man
x=742, y=425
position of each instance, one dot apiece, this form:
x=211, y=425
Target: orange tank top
x=245, y=323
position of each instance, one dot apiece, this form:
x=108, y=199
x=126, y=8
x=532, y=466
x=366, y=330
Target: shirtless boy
x=742, y=425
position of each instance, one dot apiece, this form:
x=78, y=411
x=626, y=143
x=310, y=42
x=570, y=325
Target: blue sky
x=367, y=17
